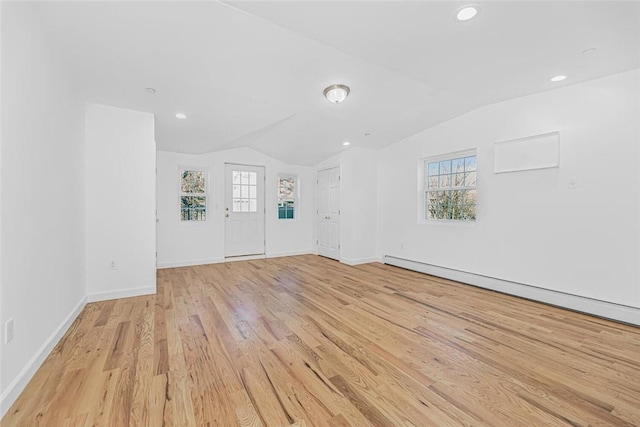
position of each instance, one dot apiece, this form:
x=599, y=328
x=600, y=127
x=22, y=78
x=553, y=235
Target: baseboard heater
x=608, y=310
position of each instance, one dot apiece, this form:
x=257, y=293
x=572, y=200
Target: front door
x=244, y=210
x=329, y=213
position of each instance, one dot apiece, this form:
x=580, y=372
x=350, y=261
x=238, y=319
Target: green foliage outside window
x=193, y=200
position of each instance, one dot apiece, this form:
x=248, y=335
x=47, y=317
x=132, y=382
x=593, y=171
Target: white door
x=244, y=210
x=329, y=213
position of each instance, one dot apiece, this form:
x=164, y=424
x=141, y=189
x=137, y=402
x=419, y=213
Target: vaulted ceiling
x=252, y=73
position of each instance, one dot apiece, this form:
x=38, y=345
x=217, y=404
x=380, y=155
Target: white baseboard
x=294, y=253
x=609, y=310
x=121, y=293
x=244, y=258
x=359, y=261
x=189, y=263
x=13, y=390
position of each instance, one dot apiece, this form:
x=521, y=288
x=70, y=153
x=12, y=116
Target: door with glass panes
x=244, y=210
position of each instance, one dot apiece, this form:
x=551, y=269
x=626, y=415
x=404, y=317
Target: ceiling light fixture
x=346, y=143
x=336, y=93
x=556, y=79
x=467, y=12
x=181, y=116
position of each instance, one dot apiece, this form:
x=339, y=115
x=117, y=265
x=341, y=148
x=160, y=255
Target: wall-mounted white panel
x=533, y=152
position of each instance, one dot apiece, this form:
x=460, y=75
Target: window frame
x=296, y=187
x=423, y=188
x=206, y=194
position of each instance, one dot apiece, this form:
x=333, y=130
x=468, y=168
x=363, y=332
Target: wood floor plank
x=307, y=341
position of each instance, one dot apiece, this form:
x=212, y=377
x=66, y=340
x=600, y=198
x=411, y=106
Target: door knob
x=227, y=215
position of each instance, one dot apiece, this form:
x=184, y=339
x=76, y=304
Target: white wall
x=358, y=204
x=120, y=202
x=189, y=243
x=531, y=227
x=2, y=318
x=42, y=197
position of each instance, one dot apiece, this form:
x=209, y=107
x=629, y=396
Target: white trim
x=621, y=313
x=13, y=390
x=244, y=257
x=359, y=261
x=450, y=156
x=293, y=253
x=336, y=165
x=189, y=263
x=121, y=293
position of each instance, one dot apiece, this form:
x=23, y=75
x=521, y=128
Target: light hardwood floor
x=309, y=341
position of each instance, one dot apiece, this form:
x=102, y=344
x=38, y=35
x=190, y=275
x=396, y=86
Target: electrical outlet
x=113, y=265
x=573, y=183
x=8, y=331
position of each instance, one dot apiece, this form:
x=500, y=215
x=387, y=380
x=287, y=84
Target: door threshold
x=329, y=257
x=244, y=257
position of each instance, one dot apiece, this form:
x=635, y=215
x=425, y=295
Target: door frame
x=264, y=215
x=317, y=221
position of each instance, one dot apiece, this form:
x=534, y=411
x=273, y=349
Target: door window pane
x=245, y=191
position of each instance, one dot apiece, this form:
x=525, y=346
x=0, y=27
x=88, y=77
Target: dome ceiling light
x=467, y=13
x=336, y=93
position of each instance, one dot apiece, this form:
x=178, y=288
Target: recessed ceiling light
x=558, y=78
x=181, y=116
x=346, y=143
x=467, y=12
x=336, y=93
x=589, y=51
x=367, y=134
x=150, y=90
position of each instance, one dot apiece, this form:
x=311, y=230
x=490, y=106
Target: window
x=286, y=196
x=245, y=190
x=450, y=187
x=193, y=196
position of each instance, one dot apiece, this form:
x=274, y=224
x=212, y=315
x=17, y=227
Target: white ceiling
x=252, y=73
